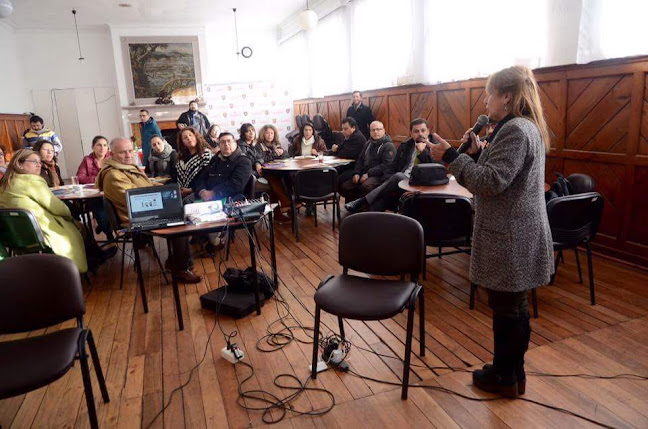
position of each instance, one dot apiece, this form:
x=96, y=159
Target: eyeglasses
x=34, y=161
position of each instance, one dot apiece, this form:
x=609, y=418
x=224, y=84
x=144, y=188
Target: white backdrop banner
x=258, y=103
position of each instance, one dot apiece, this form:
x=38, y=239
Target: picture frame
x=155, y=66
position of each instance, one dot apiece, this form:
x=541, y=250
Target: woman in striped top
x=194, y=155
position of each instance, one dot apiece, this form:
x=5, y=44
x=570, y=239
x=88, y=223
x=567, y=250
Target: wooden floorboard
x=146, y=359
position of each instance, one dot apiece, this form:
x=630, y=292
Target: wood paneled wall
x=598, y=116
x=12, y=128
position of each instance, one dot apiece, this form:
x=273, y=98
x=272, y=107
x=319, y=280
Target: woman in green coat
x=22, y=187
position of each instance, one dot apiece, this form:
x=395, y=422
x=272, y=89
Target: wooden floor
x=145, y=357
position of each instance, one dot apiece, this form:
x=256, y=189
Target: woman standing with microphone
x=512, y=247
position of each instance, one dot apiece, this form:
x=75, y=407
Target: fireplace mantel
x=161, y=112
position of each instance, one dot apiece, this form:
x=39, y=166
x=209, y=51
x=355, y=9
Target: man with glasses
x=148, y=129
x=228, y=172
x=373, y=164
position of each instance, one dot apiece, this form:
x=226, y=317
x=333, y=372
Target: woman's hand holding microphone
x=440, y=146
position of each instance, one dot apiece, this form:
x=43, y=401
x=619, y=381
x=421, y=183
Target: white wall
x=14, y=96
x=77, y=100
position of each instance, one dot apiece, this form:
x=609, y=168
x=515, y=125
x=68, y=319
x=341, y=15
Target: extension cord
x=233, y=354
x=321, y=366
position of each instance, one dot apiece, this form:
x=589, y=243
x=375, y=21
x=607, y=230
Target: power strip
x=232, y=354
x=321, y=366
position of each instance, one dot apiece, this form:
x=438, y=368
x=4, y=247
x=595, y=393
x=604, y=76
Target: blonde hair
x=261, y=137
x=13, y=167
x=525, y=98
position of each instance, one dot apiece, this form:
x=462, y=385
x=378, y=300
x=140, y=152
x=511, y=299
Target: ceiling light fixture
x=76, y=27
x=308, y=18
x=6, y=8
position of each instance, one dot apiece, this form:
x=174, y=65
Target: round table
x=450, y=188
x=297, y=164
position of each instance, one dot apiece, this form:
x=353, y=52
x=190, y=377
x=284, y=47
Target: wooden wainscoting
x=12, y=128
x=598, y=116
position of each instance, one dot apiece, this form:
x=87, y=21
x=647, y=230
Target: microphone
x=481, y=122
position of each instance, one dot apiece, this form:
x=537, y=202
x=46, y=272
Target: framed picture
x=161, y=67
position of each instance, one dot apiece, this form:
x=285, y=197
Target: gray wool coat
x=512, y=246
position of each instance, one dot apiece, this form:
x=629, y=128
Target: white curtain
x=329, y=54
x=381, y=41
x=470, y=38
x=611, y=29
x=294, y=61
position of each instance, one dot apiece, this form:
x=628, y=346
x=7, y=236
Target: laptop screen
x=155, y=202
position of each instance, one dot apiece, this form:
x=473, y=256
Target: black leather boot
x=356, y=205
x=511, y=343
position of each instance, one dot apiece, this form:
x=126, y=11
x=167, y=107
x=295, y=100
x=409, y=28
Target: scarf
x=159, y=162
x=307, y=145
x=52, y=176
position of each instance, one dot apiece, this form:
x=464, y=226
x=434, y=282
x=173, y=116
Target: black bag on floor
x=242, y=281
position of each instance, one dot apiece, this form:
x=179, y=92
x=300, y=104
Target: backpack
x=242, y=281
x=560, y=188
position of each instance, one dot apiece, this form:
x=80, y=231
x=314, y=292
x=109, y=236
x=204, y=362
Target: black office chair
x=299, y=121
x=315, y=186
x=581, y=183
x=306, y=119
x=124, y=236
x=574, y=221
x=384, y=244
x=323, y=130
x=33, y=299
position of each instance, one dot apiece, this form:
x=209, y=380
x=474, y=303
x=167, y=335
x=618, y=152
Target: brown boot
x=187, y=276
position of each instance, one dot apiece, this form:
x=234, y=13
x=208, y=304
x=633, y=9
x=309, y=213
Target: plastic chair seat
x=360, y=298
x=30, y=363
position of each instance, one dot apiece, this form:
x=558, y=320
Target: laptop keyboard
x=155, y=223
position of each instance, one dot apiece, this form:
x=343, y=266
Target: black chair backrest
x=306, y=118
x=20, y=232
x=113, y=219
x=37, y=291
x=250, y=187
x=319, y=123
x=446, y=219
x=315, y=184
x=581, y=183
x=575, y=218
x=381, y=244
x=299, y=121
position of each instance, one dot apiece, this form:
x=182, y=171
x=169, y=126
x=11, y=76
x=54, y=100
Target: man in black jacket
x=350, y=147
x=412, y=152
x=195, y=119
x=227, y=173
x=361, y=113
x=373, y=165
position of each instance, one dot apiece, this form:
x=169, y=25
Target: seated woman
x=212, y=137
x=194, y=156
x=3, y=161
x=50, y=170
x=307, y=142
x=87, y=173
x=248, y=145
x=269, y=144
x=22, y=187
x=93, y=163
x=162, y=157
x=271, y=150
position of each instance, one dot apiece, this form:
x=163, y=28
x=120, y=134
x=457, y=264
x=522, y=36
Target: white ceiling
x=57, y=14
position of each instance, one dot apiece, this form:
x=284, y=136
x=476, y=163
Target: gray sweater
x=512, y=246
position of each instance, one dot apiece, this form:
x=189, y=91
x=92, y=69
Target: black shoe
x=356, y=206
x=519, y=374
x=495, y=381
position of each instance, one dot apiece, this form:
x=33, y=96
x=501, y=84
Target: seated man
x=350, y=147
x=227, y=173
x=414, y=151
x=119, y=174
x=225, y=176
x=373, y=165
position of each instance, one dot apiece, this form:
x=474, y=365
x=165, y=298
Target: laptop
x=155, y=207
